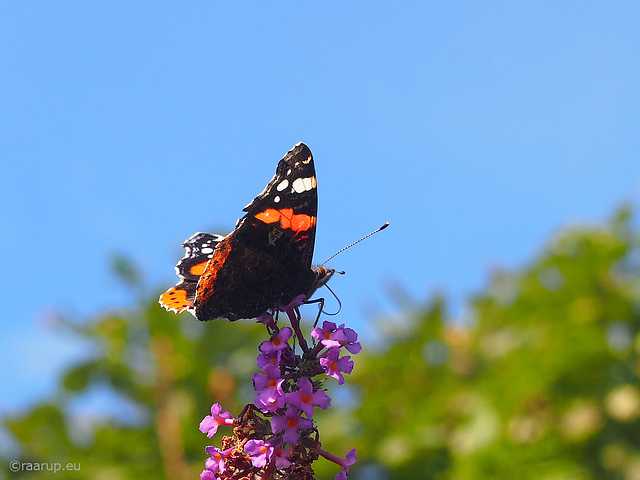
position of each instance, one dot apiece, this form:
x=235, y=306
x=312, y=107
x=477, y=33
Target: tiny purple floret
x=335, y=366
x=259, y=451
x=351, y=343
x=269, y=387
x=292, y=423
x=345, y=463
x=210, y=423
x=215, y=463
x=328, y=335
x=279, y=342
x=271, y=358
x=265, y=318
x=295, y=302
x=282, y=457
x=305, y=398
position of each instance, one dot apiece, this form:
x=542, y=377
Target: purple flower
x=295, y=302
x=292, y=423
x=259, y=451
x=208, y=475
x=286, y=418
x=210, y=423
x=345, y=463
x=269, y=401
x=265, y=318
x=271, y=358
x=335, y=366
x=331, y=336
x=282, y=457
x=215, y=463
x=328, y=335
x=278, y=342
x=269, y=379
x=269, y=387
x=350, y=460
x=305, y=398
x=351, y=343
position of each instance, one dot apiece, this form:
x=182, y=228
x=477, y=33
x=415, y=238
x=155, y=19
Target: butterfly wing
x=289, y=204
x=266, y=260
x=199, y=248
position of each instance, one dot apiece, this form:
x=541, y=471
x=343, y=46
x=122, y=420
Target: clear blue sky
x=478, y=129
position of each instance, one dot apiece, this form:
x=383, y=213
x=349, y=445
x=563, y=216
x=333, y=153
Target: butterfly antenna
x=357, y=241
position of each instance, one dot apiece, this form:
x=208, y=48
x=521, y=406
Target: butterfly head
x=323, y=274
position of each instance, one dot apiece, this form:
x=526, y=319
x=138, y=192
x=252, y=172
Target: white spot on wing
x=308, y=185
x=301, y=185
x=282, y=185
x=276, y=199
x=298, y=186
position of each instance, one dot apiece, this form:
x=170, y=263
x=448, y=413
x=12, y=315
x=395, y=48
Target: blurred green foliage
x=540, y=383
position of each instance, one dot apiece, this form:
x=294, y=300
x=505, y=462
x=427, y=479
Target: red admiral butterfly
x=266, y=261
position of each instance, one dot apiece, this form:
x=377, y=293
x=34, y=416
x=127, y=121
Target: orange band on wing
x=175, y=299
x=198, y=269
x=297, y=222
x=271, y=215
x=206, y=285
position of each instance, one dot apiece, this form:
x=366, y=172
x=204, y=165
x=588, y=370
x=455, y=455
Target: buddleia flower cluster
x=276, y=436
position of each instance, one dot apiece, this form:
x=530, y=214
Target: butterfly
x=266, y=261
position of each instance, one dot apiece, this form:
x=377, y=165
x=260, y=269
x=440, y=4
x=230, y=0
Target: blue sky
x=477, y=129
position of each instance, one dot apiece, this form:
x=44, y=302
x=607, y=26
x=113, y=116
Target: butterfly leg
x=320, y=302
